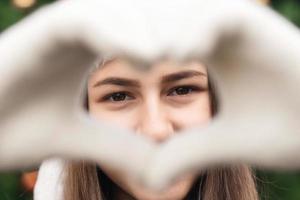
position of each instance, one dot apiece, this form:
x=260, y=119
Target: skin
x=157, y=103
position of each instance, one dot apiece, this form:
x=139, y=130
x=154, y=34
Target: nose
x=155, y=122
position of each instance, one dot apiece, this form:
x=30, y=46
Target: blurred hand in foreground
x=252, y=54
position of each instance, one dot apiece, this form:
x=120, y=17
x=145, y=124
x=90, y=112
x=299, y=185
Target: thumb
x=224, y=143
x=107, y=145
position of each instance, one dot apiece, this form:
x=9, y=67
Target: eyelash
x=191, y=88
x=110, y=96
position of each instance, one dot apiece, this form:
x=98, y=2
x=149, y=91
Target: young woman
x=157, y=103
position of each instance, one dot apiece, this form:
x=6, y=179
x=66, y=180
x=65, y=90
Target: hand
x=253, y=56
x=44, y=62
x=248, y=62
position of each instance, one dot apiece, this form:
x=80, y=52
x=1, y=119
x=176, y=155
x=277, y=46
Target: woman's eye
x=118, y=96
x=183, y=90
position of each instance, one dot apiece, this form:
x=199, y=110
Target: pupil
x=119, y=97
x=182, y=90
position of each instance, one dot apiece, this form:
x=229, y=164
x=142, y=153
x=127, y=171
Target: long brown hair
x=228, y=183
x=86, y=181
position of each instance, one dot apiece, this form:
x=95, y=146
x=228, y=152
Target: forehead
x=123, y=68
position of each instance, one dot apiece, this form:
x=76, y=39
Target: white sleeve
x=49, y=185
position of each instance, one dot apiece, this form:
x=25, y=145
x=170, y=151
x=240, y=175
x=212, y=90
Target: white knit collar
x=49, y=185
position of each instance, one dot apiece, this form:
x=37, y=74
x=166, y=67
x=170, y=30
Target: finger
x=125, y=33
x=223, y=144
x=44, y=75
x=105, y=144
x=249, y=69
x=35, y=103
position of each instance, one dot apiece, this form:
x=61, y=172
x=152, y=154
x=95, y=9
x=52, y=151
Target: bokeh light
x=264, y=1
x=24, y=4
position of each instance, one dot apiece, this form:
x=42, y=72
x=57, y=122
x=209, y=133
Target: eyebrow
x=118, y=81
x=181, y=75
x=165, y=79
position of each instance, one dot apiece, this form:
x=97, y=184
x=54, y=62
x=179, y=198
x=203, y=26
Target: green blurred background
x=272, y=185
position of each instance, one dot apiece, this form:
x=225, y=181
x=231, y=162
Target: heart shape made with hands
x=251, y=51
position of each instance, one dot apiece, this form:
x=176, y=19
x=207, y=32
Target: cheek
x=195, y=114
x=123, y=119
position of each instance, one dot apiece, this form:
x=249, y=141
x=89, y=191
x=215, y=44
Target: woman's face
x=156, y=103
